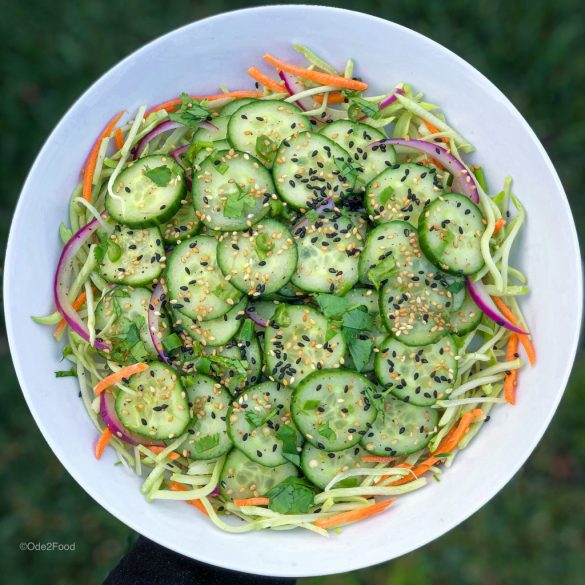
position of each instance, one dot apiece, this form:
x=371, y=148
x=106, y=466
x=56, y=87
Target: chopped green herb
x=347, y=169
x=246, y=332
x=190, y=113
x=205, y=443
x=311, y=404
x=66, y=373
x=291, y=496
x=255, y=420
x=357, y=318
x=288, y=436
x=326, y=431
x=331, y=306
x=161, y=175
x=171, y=342
x=265, y=146
x=382, y=271
x=237, y=202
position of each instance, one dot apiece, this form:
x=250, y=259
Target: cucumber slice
x=235, y=105
x=243, y=478
x=184, y=224
x=332, y=410
x=260, y=260
x=296, y=344
x=368, y=298
x=257, y=420
x=202, y=153
x=329, y=250
x=231, y=191
x=207, y=135
x=214, y=332
x=466, y=318
x=419, y=375
x=416, y=298
x=355, y=137
x=207, y=434
x=121, y=321
x=236, y=365
x=309, y=168
x=147, y=192
x=259, y=127
x=158, y=408
x=134, y=256
x=197, y=288
x=400, y=428
x=386, y=246
x=450, y=231
x=401, y=192
x=320, y=467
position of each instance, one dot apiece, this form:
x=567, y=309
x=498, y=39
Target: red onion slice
x=293, y=88
x=62, y=282
x=176, y=154
x=484, y=302
x=390, y=99
x=109, y=416
x=165, y=127
x=463, y=181
x=154, y=306
x=256, y=317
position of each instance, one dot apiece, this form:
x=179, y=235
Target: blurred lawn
x=533, y=531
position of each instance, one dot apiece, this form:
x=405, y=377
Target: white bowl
x=199, y=58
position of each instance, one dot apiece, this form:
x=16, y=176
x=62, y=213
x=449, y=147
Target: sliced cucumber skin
x=205, y=152
x=390, y=239
x=209, y=403
x=209, y=182
x=215, y=332
x=302, y=321
x=328, y=388
x=260, y=443
x=298, y=152
x=466, y=318
x=385, y=438
x=117, y=206
x=465, y=226
x=201, y=301
x=148, y=244
x=243, y=478
x=355, y=137
x=238, y=258
x=327, y=264
x=320, y=467
x=409, y=187
x=133, y=302
x=276, y=119
x=184, y=224
x=168, y=390
x=423, y=361
x=235, y=105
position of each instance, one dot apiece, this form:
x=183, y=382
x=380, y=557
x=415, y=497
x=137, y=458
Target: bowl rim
x=350, y=564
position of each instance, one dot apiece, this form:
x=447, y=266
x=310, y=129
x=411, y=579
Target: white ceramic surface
x=199, y=58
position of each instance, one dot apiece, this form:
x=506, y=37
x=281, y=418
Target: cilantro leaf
x=326, y=431
x=382, y=271
x=265, y=146
x=288, y=436
x=161, y=176
x=386, y=194
x=359, y=106
x=357, y=318
x=190, y=112
x=171, y=342
x=456, y=286
x=101, y=248
x=291, y=496
x=206, y=443
x=311, y=404
x=331, y=306
x=255, y=420
x=263, y=244
x=236, y=203
x=347, y=169
x=246, y=332
x=360, y=349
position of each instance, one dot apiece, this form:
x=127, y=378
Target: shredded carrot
x=500, y=223
x=119, y=376
x=524, y=339
x=119, y=138
x=316, y=76
x=156, y=450
x=353, y=515
x=511, y=378
x=177, y=487
x=78, y=302
x=416, y=472
x=252, y=502
x=434, y=130
x=102, y=442
x=451, y=441
x=171, y=105
x=256, y=74
x=334, y=98
x=93, y=155
x=377, y=459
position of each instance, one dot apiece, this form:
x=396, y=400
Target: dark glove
x=148, y=563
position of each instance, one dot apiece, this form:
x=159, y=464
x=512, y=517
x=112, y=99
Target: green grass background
x=533, y=531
